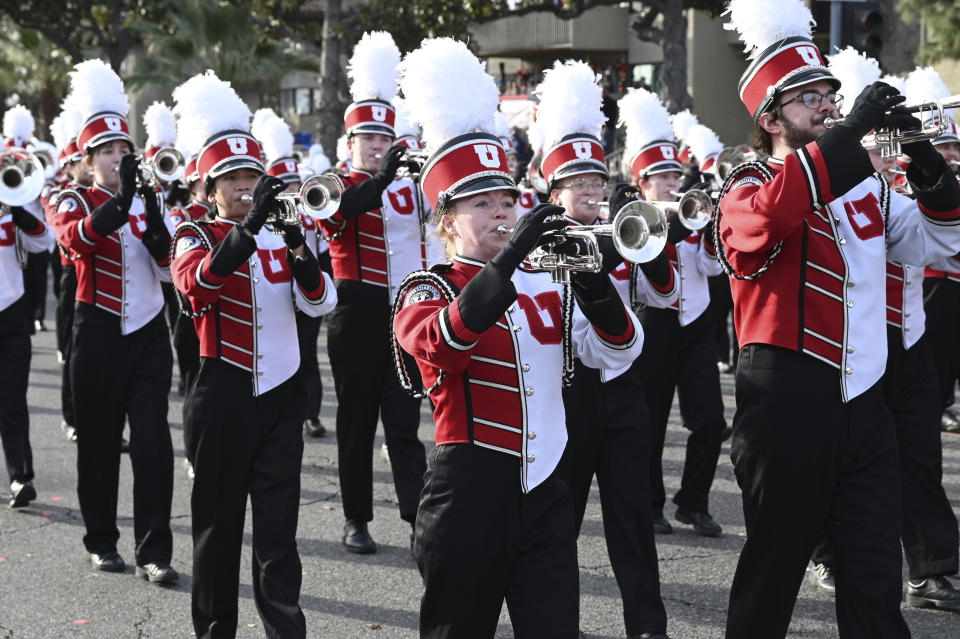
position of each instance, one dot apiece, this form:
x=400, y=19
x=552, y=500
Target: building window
x=303, y=99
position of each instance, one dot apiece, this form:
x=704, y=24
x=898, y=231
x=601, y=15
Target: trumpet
x=47, y=154
x=21, y=177
x=731, y=157
x=934, y=126
x=638, y=230
x=318, y=197
x=694, y=209
x=412, y=164
x=166, y=164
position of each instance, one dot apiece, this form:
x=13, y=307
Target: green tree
x=942, y=25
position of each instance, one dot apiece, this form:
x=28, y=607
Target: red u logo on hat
x=810, y=56
x=113, y=124
x=488, y=155
x=667, y=152
x=379, y=113
x=291, y=166
x=582, y=149
x=237, y=145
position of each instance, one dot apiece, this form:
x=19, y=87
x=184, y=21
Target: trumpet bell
x=47, y=154
x=21, y=177
x=167, y=164
x=695, y=209
x=640, y=231
x=320, y=196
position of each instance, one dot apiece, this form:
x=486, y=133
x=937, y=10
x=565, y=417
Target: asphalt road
x=48, y=589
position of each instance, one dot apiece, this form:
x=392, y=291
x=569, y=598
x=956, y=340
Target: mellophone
x=638, y=230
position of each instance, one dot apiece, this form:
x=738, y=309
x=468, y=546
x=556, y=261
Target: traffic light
x=865, y=27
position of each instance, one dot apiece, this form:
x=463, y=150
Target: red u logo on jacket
x=7, y=233
x=550, y=302
x=138, y=224
x=865, y=216
x=401, y=200
x=274, y=263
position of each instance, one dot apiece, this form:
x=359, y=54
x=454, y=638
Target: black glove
x=485, y=297
x=869, y=111
x=293, y=236
x=128, y=169
x=264, y=202
x=676, y=231
x=178, y=194
x=23, y=220
x=151, y=204
x=306, y=270
x=389, y=164
x=622, y=195
x=925, y=158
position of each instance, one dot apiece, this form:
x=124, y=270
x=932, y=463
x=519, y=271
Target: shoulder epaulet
x=76, y=192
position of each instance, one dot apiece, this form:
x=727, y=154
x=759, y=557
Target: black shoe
x=703, y=523
x=157, y=572
x=69, y=431
x=21, y=493
x=39, y=325
x=933, y=592
x=108, y=562
x=949, y=422
x=314, y=428
x=822, y=577
x=661, y=526
x=357, y=539
x=124, y=445
x=725, y=435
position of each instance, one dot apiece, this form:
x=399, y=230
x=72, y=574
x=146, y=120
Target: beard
x=796, y=136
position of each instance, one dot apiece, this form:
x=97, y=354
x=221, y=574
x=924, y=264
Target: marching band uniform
x=242, y=289
x=494, y=520
x=122, y=249
x=376, y=240
x=21, y=231
x=608, y=425
x=811, y=324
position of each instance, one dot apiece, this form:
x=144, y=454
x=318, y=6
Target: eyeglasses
x=813, y=100
x=581, y=185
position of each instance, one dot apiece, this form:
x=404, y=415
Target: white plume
x=760, y=23
x=898, y=83
x=405, y=123
x=343, y=153
x=276, y=138
x=703, y=142
x=260, y=116
x=681, y=124
x=570, y=101
x=71, y=114
x=60, y=130
x=501, y=125
x=315, y=149
x=318, y=162
x=924, y=84
x=448, y=91
x=535, y=137
x=646, y=119
x=373, y=67
x=855, y=71
x=96, y=87
x=207, y=105
x=18, y=124
x=161, y=125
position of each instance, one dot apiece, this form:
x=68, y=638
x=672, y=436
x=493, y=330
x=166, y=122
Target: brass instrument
x=47, y=154
x=412, y=164
x=935, y=125
x=639, y=232
x=319, y=198
x=731, y=157
x=21, y=177
x=167, y=164
x=694, y=209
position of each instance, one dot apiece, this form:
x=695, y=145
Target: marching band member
x=806, y=240
x=930, y=536
x=22, y=232
x=376, y=239
x=242, y=283
x=64, y=129
x=121, y=360
x=527, y=200
x=608, y=426
x=277, y=141
x=679, y=352
x=491, y=338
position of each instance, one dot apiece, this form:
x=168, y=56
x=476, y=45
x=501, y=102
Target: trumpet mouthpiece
x=246, y=198
x=504, y=230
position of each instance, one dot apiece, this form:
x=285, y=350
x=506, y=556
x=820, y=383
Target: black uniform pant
x=367, y=386
x=187, y=345
x=807, y=462
x=682, y=358
x=941, y=303
x=113, y=376
x=930, y=535
x=721, y=306
x=609, y=435
x=15, y=371
x=35, y=283
x=479, y=540
x=247, y=446
x=308, y=330
x=65, y=309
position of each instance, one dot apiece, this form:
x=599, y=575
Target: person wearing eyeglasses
x=806, y=236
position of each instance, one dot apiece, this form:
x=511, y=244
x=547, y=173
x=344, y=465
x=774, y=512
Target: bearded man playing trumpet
x=806, y=236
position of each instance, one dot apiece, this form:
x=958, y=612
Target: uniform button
x=512, y=308
x=842, y=241
x=849, y=371
x=526, y=368
x=906, y=328
x=531, y=435
x=517, y=327
x=126, y=317
x=259, y=373
x=126, y=303
x=683, y=277
x=259, y=327
x=683, y=299
x=837, y=220
x=849, y=349
x=253, y=263
x=126, y=281
x=256, y=280
x=259, y=356
x=389, y=252
x=850, y=284
x=906, y=281
x=906, y=314
x=259, y=308
x=850, y=304
x=531, y=459
x=529, y=392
